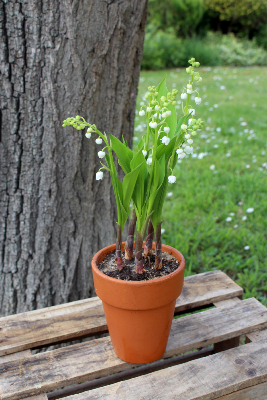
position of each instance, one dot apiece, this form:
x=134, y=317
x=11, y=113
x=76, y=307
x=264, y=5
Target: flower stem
x=130, y=237
x=138, y=253
x=119, y=261
x=149, y=240
x=158, y=259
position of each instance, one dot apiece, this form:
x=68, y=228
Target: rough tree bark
x=60, y=58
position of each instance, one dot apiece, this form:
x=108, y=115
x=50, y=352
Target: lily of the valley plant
x=149, y=169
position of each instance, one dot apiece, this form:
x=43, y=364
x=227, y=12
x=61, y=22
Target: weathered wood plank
x=15, y=356
x=96, y=358
x=230, y=343
x=257, y=335
x=130, y=373
x=204, y=379
x=253, y=336
x=73, y=320
x=257, y=392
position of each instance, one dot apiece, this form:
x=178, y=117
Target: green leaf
x=123, y=215
x=139, y=189
x=172, y=120
x=162, y=89
x=123, y=153
x=158, y=203
x=128, y=186
x=156, y=188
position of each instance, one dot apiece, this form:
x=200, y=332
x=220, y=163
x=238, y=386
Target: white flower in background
x=192, y=111
x=164, y=115
x=162, y=231
x=199, y=79
x=165, y=140
x=189, y=121
x=246, y=248
x=187, y=136
x=149, y=109
x=184, y=127
x=232, y=214
x=153, y=125
x=228, y=219
x=189, y=91
x=99, y=141
x=179, y=151
x=149, y=161
x=243, y=123
x=212, y=167
x=222, y=87
x=166, y=129
x=88, y=134
x=244, y=218
x=218, y=129
x=188, y=149
x=198, y=100
x=250, y=210
x=172, y=179
x=168, y=113
x=247, y=166
x=157, y=108
x=184, y=145
x=144, y=152
x=101, y=154
x=189, y=141
x=181, y=156
x=235, y=226
x=184, y=96
x=142, y=113
x=99, y=175
x=189, y=86
x=169, y=194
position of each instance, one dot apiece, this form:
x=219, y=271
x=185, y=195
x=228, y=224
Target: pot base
x=127, y=327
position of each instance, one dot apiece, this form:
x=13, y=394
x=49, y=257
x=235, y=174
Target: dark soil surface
x=109, y=267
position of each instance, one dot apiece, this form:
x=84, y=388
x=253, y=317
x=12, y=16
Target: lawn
x=216, y=212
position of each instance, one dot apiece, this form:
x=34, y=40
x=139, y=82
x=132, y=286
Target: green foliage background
x=216, y=32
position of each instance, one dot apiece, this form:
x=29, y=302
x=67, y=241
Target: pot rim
x=112, y=247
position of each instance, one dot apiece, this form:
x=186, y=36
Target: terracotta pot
x=139, y=314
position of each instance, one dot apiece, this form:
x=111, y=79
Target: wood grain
x=253, y=336
x=204, y=379
x=96, y=358
x=257, y=392
x=85, y=317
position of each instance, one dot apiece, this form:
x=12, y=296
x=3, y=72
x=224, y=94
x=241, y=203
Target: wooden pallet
x=203, y=359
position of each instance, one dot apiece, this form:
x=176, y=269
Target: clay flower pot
x=139, y=314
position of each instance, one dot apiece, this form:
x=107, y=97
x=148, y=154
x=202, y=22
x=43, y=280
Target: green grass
x=195, y=213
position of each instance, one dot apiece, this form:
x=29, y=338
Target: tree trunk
x=59, y=59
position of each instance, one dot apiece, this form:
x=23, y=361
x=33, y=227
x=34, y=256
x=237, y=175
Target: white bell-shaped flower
x=172, y=179
x=99, y=175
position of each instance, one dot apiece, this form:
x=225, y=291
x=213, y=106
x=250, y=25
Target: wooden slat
x=257, y=392
x=229, y=343
x=73, y=320
x=96, y=358
x=257, y=335
x=253, y=336
x=17, y=356
x=204, y=379
x=129, y=373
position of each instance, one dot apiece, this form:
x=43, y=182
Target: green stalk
x=158, y=257
x=119, y=261
x=130, y=237
x=149, y=240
